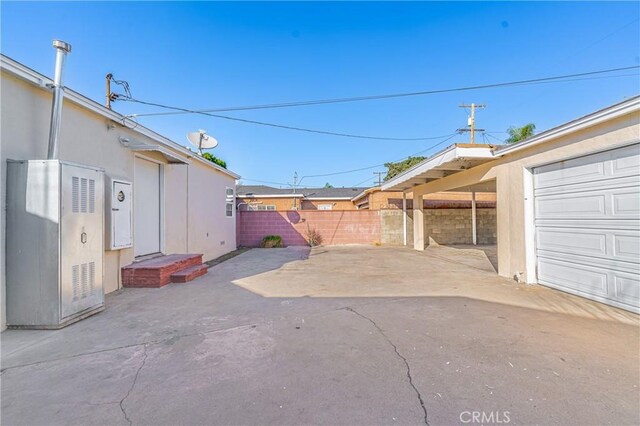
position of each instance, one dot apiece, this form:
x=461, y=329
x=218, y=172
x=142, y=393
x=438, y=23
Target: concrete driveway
x=338, y=335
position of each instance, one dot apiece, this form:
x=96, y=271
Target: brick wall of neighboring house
x=283, y=204
x=335, y=227
x=336, y=204
x=378, y=200
x=393, y=200
x=280, y=203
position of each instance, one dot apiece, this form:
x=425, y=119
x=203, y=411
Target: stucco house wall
x=194, y=194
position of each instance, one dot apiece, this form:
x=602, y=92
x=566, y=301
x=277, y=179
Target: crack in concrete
x=406, y=363
x=135, y=379
x=159, y=341
x=132, y=345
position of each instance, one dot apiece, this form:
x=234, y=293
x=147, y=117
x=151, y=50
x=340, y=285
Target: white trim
x=449, y=154
x=404, y=218
x=328, y=198
x=531, y=276
x=229, y=200
x=474, y=223
x=360, y=195
x=227, y=204
x=136, y=146
x=367, y=191
x=254, y=207
x=325, y=206
x=609, y=113
x=39, y=80
x=270, y=196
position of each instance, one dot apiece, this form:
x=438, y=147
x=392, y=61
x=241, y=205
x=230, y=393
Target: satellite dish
x=201, y=140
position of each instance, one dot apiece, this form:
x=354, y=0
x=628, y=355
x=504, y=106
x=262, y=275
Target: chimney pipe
x=62, y=49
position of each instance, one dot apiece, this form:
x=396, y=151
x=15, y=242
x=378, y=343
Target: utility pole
x=379, y=177
x=295, y=182
x=471, y=122
x=471, y=127
x=108, y=79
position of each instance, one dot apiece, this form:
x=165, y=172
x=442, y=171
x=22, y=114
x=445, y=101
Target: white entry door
x=587, y=217
x=146, y=210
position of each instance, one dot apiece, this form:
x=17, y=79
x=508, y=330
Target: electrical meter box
x=55, y=243
x=119, y=211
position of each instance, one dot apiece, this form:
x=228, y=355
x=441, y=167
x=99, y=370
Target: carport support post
x=404, y=218
x=473, y=218
x=418, y=222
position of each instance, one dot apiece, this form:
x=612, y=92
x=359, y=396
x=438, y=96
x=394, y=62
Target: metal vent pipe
x=62, y=49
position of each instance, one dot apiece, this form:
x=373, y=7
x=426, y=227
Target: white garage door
x=587, y=217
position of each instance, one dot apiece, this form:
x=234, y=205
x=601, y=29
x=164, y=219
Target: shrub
x=272, y=241
x=313, y=237
x=214, y=159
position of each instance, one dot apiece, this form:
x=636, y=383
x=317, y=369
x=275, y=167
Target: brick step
x=157, y=272
x=188, y=274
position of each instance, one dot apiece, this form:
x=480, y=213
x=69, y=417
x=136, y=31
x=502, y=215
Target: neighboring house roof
x=366, y=191
x=263, y=191
x=39, y=80
x=458, y=157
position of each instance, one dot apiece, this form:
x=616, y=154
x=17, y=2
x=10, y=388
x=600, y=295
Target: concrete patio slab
x=335, y=335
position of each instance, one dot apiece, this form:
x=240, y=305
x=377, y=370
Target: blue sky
x=209, y=55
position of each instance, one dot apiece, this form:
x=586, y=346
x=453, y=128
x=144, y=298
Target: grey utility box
x=55, y=243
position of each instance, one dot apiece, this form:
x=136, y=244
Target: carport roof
x=453, y=159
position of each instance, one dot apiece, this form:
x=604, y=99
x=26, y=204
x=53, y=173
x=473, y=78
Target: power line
x=381, y=165
x=299, y=129
x=362, y=168
x=556, y=79
x=265, y=181
x=360, y=183
x=575, y=53
x=491, y=136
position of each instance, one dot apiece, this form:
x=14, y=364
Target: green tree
x=394, y=169
x=517, y=134
x=214, y=160
x=328, y=185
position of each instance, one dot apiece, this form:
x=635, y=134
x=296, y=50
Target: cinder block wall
x=391, y=227
x=453, y=226
x=444, y=226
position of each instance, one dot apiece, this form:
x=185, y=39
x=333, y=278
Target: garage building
x=568, y=202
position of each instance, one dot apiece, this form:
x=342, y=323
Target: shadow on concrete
x=360, y=271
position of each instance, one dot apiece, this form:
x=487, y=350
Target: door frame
x=162, y=201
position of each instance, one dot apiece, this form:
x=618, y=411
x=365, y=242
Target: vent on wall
x=84, y=279
x=83, y=194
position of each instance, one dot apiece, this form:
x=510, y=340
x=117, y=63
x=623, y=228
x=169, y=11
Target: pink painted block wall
x=335, y=227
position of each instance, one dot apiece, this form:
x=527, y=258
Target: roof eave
x=435, y=164
x=270, y=195
x=597, y=117
x=41, y=81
